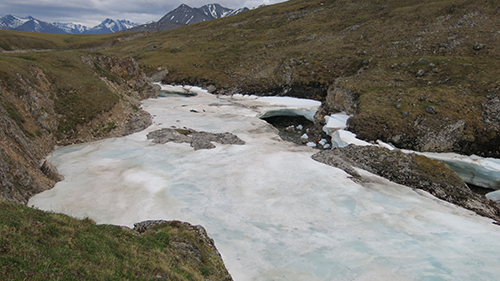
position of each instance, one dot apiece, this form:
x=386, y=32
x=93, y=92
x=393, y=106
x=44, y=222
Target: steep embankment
x=421, y=75
x=60, y=97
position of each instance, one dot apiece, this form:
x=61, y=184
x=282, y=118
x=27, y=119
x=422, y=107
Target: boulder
x=197, y=140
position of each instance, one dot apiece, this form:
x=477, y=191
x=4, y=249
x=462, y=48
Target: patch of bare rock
x=197, y=140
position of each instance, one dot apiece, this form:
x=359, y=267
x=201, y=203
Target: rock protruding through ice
x=411, y=170
x=197, y=140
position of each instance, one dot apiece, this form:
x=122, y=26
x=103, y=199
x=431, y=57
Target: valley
x=417, y=76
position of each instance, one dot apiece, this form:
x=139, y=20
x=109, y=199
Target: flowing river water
x=274, y=213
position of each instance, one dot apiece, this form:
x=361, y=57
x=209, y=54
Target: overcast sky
x=93, y=12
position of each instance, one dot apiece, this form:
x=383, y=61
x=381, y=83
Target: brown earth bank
x=423, y=75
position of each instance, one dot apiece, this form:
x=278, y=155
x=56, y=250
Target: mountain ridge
x=186, y=15
x=31, y=24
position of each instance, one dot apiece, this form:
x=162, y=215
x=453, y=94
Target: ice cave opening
x=299, y=130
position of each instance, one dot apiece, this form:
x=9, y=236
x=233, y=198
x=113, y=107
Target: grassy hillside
x=398, y=58
x=37, y=245
x=329, y=38
x=32, y=41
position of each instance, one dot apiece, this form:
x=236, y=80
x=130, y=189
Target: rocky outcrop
x=337, y=99
x=51, y=171
x=197, y=140
x=191, y=244
x=27, y=123
x=411, y=170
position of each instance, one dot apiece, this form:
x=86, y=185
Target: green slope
x=37, y=245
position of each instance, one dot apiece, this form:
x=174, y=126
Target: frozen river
x=274, y=213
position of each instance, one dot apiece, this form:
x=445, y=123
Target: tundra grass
x=32, y=41
x=38, y=245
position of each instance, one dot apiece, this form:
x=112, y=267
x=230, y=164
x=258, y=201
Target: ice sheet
x=274, y=213
x=335, y=122
x=472, y=169
x=342, y=138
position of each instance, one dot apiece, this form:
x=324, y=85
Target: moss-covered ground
x=38, y=245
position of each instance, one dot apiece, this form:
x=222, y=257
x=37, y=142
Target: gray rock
x=211, y=88
x=478, y=46
x=51, y=171
x=165, y=135
x=138, y=122
x=420, y=73
x=431, y=110
x=142, y=226
x=197, y=140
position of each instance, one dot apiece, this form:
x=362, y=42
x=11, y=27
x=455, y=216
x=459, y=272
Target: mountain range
x=178, y=17
x=34, y=25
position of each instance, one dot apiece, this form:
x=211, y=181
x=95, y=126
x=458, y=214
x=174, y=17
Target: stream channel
x=274, y=213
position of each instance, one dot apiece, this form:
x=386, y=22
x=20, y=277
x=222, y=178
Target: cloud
x=93, y=12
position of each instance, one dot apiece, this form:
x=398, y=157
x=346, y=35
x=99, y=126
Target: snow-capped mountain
x=11, y=22
x=71, y=28
x=215, y=10
x=28, y=24
x=235, y=11
x=111, y=26
x=34, y=25
x=186, y=15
